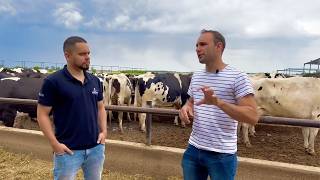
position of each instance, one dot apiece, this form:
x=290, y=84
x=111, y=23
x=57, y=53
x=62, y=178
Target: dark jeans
x=197, y=164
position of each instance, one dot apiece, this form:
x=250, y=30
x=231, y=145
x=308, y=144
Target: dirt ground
x=274, y=143
x=24, y=167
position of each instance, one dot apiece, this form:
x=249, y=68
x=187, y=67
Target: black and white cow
x=20, y=72
x=164, y=90
x=16, y=87
x=117, y=91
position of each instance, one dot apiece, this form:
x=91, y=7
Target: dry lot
x=23, y=167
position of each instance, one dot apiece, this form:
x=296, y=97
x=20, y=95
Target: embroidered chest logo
x=94, y=91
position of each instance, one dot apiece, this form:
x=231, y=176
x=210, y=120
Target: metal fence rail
x=160, y=111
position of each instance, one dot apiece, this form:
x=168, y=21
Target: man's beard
x=84, y=67
x=202, y=60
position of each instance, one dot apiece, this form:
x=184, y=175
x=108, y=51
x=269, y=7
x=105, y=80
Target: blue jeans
x=90, y=160
x=197, y=164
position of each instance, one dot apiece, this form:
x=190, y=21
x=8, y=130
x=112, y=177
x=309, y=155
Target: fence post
x=149, y=124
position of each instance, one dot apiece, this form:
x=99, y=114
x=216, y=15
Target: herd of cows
x=276, y=95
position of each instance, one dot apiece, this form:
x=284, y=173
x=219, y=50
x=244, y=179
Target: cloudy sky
x=262, y=36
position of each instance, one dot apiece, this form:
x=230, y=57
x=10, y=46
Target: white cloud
x=252, y=18
x=7, y=8
x=310, y=27
x=68, y=15
x=114, y=51
x=261, y=35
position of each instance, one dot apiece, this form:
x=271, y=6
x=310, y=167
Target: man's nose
x=197, y=49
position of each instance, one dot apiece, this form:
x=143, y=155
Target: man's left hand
x=209, y=97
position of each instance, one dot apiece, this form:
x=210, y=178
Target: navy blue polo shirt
x=74, y=107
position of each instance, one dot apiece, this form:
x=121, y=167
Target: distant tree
x=93, y=70
x=37, y=68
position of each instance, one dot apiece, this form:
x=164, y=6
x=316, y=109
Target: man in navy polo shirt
x=76, y=101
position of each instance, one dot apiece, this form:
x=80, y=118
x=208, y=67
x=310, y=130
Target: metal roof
x=316, y=61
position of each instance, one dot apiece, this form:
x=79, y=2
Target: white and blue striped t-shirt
x=213, y=129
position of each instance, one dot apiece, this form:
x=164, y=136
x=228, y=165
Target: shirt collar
x=70, y=77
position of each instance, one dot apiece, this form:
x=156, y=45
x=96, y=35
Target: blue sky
x=262, y=36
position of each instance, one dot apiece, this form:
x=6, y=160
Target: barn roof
x=316, y=62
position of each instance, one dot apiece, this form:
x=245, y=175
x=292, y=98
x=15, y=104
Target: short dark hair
x=71, y=41
x=217, y=37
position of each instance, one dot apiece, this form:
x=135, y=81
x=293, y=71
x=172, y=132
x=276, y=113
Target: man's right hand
x=61, y=149
x=186, y=111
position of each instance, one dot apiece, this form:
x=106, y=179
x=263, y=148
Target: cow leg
x=129, y=118
x=312, y=136
x=183, y=124
x=142, y=121
x=128, y=114
x=305, y=134
x=8, y=117
x=134, y=116
x=120, y=117
x=245, y=134
x=110, y=117
x=313, y=131
x=252, y=130
x=238, y=131
x=176, y=121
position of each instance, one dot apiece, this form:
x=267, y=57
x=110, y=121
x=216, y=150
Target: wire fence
x=59, y=65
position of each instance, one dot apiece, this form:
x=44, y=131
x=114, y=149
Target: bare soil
x=24, y=167
x=274, y=143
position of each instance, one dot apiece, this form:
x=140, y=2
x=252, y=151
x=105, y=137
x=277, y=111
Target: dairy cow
x=295, y=97
x=247, y=128
x=16, y=87
x=117, y=91
x=164, y=90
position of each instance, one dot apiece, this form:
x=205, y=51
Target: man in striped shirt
x=220, y=97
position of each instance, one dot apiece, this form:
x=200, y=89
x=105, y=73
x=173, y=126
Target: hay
x=24, y=167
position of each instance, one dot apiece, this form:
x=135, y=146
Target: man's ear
x=219, y=45
x=67, y=55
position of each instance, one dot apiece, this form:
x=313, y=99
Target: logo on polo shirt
x=94, y=91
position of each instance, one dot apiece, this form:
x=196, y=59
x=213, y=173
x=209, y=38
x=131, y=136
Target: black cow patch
x=267, y=75
x=168, y=80
x=185, y=82
x=116, y=85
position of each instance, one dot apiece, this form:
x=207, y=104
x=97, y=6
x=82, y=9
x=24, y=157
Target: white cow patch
x=43, y=71
x=18, y=70
x=11, y=78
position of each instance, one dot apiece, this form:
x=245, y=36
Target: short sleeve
x=47, y=92
x=242, y=86
x=190, y=93
x=100, y=94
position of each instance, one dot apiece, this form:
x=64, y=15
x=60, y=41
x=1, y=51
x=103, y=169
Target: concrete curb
x=156, y=161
